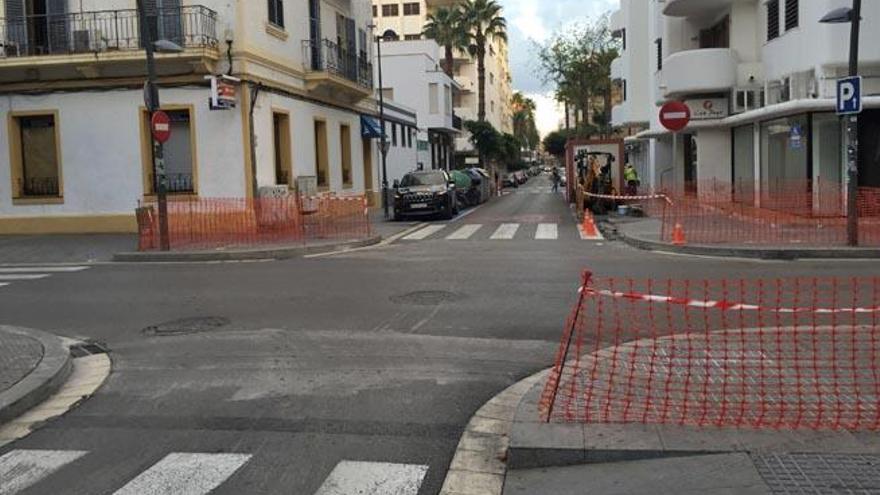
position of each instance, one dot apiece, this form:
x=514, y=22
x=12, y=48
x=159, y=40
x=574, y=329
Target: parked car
x=521, y=177
x=510, y=180
x=425, y=194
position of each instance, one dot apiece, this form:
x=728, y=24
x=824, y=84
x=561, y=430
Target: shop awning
x=370, y=128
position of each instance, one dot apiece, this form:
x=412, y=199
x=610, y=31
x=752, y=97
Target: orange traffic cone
x=678, y=238
x=589, y=225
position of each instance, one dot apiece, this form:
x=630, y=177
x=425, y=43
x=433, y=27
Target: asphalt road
x=380, y=355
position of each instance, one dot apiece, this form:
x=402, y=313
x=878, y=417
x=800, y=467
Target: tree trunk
x=450, y=61
x=481, y=78
x=567, y=117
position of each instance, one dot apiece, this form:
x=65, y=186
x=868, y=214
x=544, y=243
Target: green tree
x=524, y=127
x=484, y=24
x=578, y=62
x=554, y=142
x=484, y=137
x=445, y=26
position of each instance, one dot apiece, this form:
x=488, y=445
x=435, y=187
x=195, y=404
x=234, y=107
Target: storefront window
x=784, y=153
x=744, y=163
x=828, y=159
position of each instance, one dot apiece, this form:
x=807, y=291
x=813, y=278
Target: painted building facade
x=77, y=133
x=406, y=21
x=759, y=77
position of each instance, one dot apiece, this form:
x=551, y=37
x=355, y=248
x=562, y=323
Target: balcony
x=103, y=43
x=697, y=8
x=617, y=69
x=706, y=70
x=335, y=72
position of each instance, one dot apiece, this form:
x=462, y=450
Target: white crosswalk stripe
x=547, y=231
x=185, y=474
x=30, y=273
x=23, y=277
x=505, y=232
x=201, y=473
x=42, y=269
x=424, y=233
x=464, y=233
x=20, y=469
x=373, y=478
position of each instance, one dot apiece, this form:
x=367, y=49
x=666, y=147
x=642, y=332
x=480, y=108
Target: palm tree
x=485, y=24
x=445, y=27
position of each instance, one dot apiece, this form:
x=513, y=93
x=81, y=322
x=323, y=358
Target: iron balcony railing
x=328, y=56
x=191, y=26
x=38, y=187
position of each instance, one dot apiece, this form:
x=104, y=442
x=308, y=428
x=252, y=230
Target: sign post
x=674, y=116
x=849, y=106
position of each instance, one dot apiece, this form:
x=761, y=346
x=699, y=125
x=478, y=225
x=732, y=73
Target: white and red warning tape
x=630, y=198
x=721, y=305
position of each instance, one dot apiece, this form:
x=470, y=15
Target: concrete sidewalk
x=645, y=233
x=41, y=249
x=33, y=366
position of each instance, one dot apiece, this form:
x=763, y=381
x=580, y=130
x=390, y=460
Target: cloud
x=548, y=113
x=534, y=21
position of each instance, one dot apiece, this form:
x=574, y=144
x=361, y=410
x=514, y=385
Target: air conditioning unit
x=745, y=99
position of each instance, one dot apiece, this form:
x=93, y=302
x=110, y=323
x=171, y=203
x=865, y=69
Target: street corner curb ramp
x=780, y=354
x=45, y=379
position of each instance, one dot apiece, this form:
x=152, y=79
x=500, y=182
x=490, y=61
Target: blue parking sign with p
x=849, y=95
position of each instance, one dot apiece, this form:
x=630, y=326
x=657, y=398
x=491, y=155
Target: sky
x=531, y=21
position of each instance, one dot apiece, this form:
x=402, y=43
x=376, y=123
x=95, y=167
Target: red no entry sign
x=675, y=116
x=161, y=126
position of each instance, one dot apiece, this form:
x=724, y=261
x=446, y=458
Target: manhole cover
x=187, y=325
x=427, y=297
x=819, y=473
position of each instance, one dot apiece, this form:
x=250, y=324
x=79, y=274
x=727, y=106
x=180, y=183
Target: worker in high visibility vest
x=631, y=177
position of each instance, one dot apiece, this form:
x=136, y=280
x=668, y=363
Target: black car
x=425, y=194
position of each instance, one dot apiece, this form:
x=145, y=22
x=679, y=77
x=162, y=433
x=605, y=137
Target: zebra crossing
x=12, y=274
x=183, y=473
x=490, y=232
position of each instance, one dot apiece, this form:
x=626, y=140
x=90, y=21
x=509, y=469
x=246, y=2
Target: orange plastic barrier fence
x=781, y=213
x=207, y=223
x=801, y=353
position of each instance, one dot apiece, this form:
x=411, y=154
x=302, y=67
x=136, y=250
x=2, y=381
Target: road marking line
x=43, y=269
x=373, y=478
x=547, y=232
x=3, y=285
x=465, y=232
x=424, y=233
x=23, y=277
x=505, y=232
x=20, y=469
x=185, y=474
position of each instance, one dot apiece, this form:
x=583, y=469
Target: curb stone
x=46, y=379
x=782, y=254
x=242, y=254
x=480, y=462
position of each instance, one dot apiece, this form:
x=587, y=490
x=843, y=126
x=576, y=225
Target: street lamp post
x=151, y=101
x=384, y=144
x=854, y=17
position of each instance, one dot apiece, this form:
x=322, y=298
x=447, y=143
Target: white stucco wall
x=101, y=159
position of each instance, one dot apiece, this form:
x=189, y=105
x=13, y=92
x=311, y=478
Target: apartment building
x=759, y=77
x=80, y=155
x=413, y=77
x=405, y=20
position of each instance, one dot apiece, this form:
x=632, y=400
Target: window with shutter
x=171, y=27
x=58, y=28
x=791, y=14
x=772, y=19
x=16, y=29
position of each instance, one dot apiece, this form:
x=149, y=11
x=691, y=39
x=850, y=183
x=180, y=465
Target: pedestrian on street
x=556, y=179
x=631, y=177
